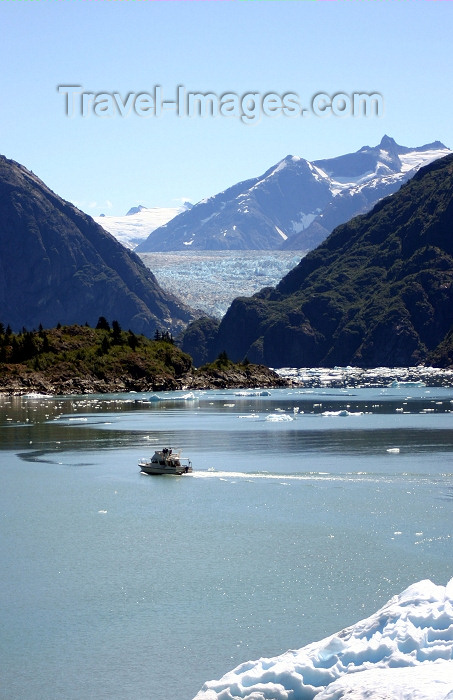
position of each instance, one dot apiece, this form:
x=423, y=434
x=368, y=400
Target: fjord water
x=306, y=511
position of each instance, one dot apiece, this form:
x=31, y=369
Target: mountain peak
x=387, y=142
x=136, y=210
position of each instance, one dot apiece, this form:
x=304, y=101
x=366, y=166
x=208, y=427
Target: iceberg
x=401, y=652
x=278, y=418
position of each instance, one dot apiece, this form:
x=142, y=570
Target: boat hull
x=158, y=470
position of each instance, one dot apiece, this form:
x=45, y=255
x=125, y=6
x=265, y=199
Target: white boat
x=166, y=461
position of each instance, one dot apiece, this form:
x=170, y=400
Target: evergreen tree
x=105, y=345
x=102, y=324
x=223, y=359
x=28, y=346
x=116, y=328
x=132, y=340
x=14, y=350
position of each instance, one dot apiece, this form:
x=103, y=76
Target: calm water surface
x=296, y=522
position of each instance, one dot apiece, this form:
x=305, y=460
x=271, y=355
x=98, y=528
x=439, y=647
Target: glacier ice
x=210, y=280
x=401, y=652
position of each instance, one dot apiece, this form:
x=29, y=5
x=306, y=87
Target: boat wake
x=272, y=476
x=344, y=477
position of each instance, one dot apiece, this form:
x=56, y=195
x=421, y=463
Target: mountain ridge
x=296, y=203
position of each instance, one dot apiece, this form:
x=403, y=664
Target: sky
x=106, y=162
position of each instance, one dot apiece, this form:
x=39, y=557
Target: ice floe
x=401, y=652
x=343, y=413
x=395, y=378
x=278, y=418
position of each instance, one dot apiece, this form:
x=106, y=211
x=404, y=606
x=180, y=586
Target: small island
x=76, y=359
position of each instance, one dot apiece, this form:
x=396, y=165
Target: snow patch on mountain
x=304, y=221
x=283, y=235
x=414, y=160
x=401, y=652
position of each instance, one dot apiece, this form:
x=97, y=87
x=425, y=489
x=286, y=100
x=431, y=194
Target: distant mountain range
x=139, y=222
x=377, y=292
x=58, y=266
x=296, y=203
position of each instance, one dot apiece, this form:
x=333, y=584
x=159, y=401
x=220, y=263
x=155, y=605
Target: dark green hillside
x=80, y=359
x=442, y=356
x=378, y=291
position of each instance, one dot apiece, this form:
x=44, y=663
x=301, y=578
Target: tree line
x=28, y=344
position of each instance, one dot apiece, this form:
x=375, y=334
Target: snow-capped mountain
x=296, y=203
x=139, y=222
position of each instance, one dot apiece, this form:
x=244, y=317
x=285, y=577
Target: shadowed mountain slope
x=58, y=265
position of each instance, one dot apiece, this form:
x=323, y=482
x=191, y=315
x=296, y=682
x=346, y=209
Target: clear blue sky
x=399, y=49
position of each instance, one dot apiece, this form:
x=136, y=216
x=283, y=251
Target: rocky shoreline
x=19, y=381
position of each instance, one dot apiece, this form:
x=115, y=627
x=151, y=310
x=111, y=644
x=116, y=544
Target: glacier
x=403, y=651
x=210, y=280
x=138, y=223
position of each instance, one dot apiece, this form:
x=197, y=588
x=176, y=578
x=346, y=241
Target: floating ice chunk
x=406, y=648
x=264, y=392
x=343, y=413
x=278, y=418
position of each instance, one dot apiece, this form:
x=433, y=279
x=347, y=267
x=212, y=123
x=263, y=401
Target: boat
x=166, y=461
